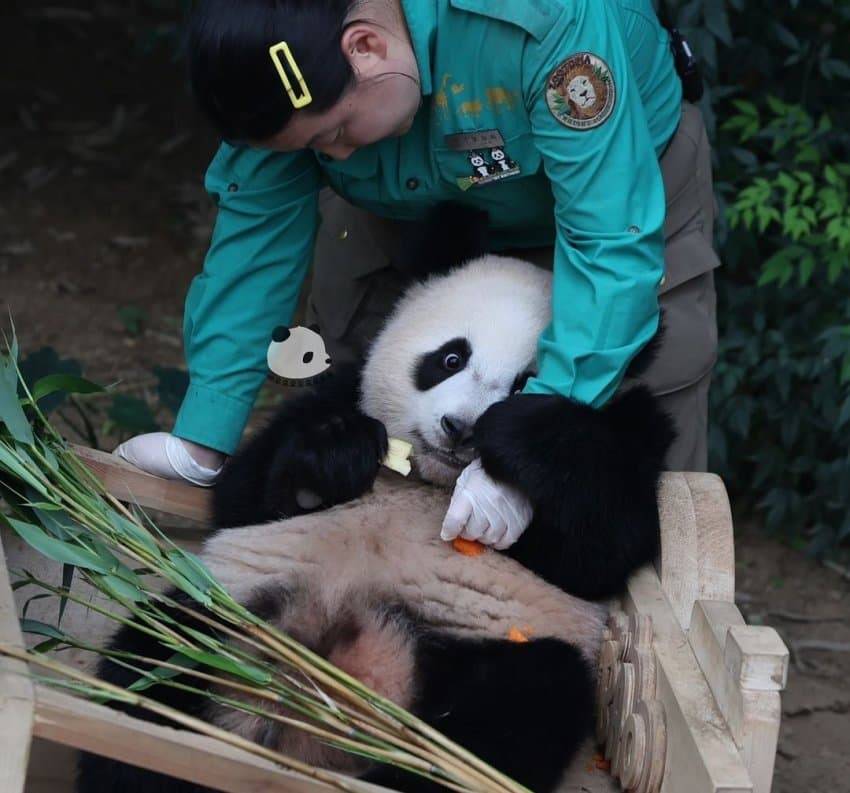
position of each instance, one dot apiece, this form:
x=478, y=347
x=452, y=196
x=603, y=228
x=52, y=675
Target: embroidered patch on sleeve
x=580, y=91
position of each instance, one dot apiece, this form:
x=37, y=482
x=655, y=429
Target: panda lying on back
x=368, y=583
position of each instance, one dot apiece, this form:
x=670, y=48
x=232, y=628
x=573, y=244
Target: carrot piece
x=468, y=547
x=516, y=635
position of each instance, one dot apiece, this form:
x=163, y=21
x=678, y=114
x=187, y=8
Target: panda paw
x=591, y=476
x=330, y=460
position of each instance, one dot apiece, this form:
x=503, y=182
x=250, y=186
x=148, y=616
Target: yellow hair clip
x=297, y=101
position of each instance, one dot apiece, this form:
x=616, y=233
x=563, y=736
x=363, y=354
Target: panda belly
x=371, y=587
x=388, y=543
x=367, y=637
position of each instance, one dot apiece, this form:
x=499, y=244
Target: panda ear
x=281, y=334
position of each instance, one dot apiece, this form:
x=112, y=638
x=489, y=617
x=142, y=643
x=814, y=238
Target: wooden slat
x=95, y=728
x=16, y=695
x=701, y=755
x=746, y=668
x=130, y=484
x=697, y=560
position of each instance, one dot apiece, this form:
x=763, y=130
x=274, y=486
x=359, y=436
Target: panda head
x=453, y=346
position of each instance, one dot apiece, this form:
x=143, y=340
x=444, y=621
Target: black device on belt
x=686, y=66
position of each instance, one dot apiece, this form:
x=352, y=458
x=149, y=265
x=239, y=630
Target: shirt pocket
x=480, y=169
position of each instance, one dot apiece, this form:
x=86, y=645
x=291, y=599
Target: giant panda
x=347, y=558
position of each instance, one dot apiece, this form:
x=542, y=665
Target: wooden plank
x=746, y=668
x=701, y=755
x=697, y=560
x=16, y=695
x=95, y=728
x=130, y=484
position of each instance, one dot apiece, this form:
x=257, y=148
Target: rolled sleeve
x=609, y=215
x=260, y=251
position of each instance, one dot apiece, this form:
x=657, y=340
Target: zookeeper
x=563, y=119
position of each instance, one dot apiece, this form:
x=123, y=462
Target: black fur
x=450, y=235
x=591, y=476
x=318, y=442
x=97, y=774
x=524, y=708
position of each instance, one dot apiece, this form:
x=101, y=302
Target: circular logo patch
x=581, y=91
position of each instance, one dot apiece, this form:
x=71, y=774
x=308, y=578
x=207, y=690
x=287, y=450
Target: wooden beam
x=746, y=667
x=16, y=695
x=71, y=721
x=701, y=755
x=697, y=560
x=130, y=484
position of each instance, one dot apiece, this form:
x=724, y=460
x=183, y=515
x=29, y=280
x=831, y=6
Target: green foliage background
x=778, y=84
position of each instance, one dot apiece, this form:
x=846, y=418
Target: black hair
x=233, y=77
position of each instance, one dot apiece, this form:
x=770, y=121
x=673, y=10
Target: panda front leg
x=318, y=450
x=524, y=708
x=592, y=478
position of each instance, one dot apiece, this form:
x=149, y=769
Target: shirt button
x=633, y=229
x=232, y=187
x=412, y=183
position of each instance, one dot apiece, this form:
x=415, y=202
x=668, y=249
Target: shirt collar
x=421, y=16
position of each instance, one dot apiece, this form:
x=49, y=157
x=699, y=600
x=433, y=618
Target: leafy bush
x=777, y=110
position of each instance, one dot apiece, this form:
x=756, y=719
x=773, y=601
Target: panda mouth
x=444, y=456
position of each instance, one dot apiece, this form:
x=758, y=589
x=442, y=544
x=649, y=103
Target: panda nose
x=457, y=431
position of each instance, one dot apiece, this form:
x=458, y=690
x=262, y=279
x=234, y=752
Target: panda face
x=452, y=392
x=454, y=346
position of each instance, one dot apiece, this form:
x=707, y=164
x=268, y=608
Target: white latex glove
x=162, y=454
x=485, y=510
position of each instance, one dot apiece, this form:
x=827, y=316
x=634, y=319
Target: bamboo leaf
x=67, y=580
x=123, y=526
x=163, y=673
x=59, y=524
x=42, y=629
x=192, y=568
x=11, y=412
x=26, y=607
x=57, y=550
x=47, y=646
x=65, y=383
x=119, y=588
x=241, y=670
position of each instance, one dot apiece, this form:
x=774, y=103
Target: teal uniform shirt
x=573, y=102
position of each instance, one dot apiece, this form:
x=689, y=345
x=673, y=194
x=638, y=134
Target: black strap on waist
x=687, y=66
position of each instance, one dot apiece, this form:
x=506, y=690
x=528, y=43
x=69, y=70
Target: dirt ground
x=102, y=160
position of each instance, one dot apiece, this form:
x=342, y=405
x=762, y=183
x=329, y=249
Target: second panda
x=350, y=562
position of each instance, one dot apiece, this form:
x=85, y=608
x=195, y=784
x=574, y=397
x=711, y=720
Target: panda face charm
x=297, y=356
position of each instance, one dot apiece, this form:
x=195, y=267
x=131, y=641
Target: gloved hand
x=485, y=510
x=163, y=454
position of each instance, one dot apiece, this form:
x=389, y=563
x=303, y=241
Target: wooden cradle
x=689, y=695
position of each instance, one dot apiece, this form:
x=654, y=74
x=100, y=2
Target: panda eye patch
x=308, y=356
x=441, y=364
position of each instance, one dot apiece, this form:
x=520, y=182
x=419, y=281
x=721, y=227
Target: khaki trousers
x=358, y=274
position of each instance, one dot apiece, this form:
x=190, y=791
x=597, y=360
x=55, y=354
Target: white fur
x=501, y=306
